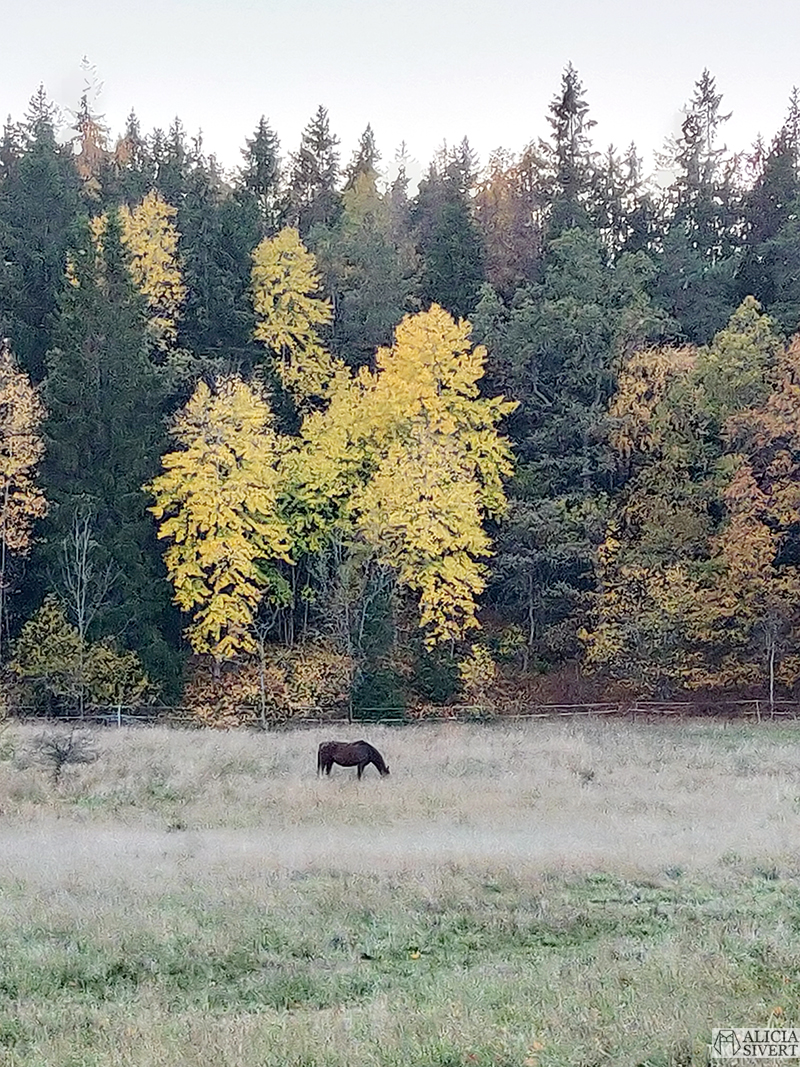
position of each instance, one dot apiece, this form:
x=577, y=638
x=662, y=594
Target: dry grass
x=605, y=890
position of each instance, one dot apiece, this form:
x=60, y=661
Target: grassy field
x=526, y=896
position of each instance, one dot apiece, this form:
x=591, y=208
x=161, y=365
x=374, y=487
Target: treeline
x=291, y=378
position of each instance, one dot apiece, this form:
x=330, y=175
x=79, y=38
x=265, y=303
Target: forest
x=303, y=436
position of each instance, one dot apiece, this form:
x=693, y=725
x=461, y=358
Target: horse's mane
x=376, y=756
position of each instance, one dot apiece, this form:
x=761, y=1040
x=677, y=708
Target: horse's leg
x=328, y=766
x=361, y=767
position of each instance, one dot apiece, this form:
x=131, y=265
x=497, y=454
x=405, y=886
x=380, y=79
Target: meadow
x=554, y=893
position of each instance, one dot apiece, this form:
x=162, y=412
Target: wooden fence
x=183, y=717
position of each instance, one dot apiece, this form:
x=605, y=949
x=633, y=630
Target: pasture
x=545, y=895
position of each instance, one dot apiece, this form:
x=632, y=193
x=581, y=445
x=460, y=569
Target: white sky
x=422, y=71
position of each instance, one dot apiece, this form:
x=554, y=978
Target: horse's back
x=350, y=753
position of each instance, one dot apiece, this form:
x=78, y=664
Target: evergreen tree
x=624, y=212
x=368, y=265
x=365, y=159
x=172, y=159
x=770, y=268
x=509, y=211
x=448, y=241
x=103, y=431
x=91, y=151
x=218, y=231
x=554, y=349
x=260, y=176
x=313, y=199
x=697, y=265
x=38, y=205
x=569, y=156
x=129, y=174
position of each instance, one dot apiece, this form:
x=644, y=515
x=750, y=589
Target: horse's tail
x=319, y=759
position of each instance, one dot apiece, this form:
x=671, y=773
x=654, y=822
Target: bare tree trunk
x=85, y=589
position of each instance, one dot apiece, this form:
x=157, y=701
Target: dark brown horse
x=349, y=754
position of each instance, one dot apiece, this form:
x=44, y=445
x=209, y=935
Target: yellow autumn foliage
x=641, y=405
x=151, y=240
x=288, y=310
x=151, y=243
x=410, y=458
x=217, y=506
x=21, y=449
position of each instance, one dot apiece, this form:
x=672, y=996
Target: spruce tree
x=365, y=159
x=260, y=176
x=448, y=241
x=569, y=156
x=367, y=261
x=770, y=260
x=104, y=432
x=129, y=174
x=312, y=196
x=555, y=349
x=696, y=276
x=38, y=205
x=218, y=231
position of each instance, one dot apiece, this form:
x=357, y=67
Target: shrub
x=57, y=749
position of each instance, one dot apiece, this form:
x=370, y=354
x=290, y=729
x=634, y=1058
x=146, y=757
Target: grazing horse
x=349, y=754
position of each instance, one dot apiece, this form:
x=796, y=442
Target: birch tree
x=21, y=448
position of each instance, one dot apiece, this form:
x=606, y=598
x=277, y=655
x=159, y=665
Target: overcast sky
x=422, y=71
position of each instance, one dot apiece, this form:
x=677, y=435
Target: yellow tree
x=151, y=243
x=408, y=458
x=748, y=621
x=285, y=288
x=440, y=465
x=21, y=448
x=151, y=240
x=641, y=617
x=697, y=581
x=217, y=506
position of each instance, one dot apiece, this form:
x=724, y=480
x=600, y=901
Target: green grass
x=202, y=900
x=474, y=969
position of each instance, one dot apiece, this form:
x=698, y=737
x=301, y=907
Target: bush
x=436, y=676
x=56, y=749
x=378, y=695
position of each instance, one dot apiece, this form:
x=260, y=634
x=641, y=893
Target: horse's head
x=385, y=771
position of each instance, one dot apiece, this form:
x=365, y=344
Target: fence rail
x=184, y=717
